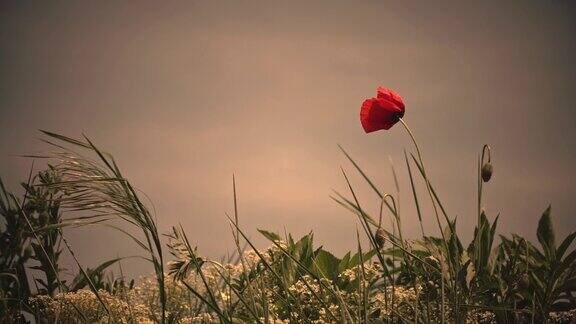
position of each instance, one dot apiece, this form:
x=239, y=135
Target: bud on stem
x=487, y=169
x=486, y=172
x=380, y=237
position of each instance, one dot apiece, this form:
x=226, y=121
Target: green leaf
x=565, y=245
x=567, y=263
x=80, y=281
x=493, y=230
x=326, y=265
x=366, y=178
x=355, y=259
x=270, y=235
x=344, y=263
x=545, y=234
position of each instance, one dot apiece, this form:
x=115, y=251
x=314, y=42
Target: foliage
x=30, y=239
x=436, y=278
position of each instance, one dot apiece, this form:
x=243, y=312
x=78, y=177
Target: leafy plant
x=435, y=278
x=552, y=270
x=28, y=235
x=100, y=188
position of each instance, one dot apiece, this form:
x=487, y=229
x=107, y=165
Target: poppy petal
x=391, y=95
x=377, y=114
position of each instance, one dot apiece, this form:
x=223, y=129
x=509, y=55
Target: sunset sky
x=186, y=93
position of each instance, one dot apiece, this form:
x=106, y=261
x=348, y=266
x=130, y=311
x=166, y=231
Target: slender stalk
x=237, y=238
x=232, y=288
x=485, y=149
x=428, y=187
x=369, y=231
x=269, y=267
x=90, y=283
x=211, y=295
x=215, y=308
x=363, y=288
x=414, y=194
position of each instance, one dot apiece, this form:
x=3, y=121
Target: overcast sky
x=184, y=94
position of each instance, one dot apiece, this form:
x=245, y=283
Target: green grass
x=390, y=278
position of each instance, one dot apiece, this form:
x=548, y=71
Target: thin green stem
x=428, y=187
x=425, y=177
x=414, y=194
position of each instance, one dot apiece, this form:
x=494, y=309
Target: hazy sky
x=184, y=94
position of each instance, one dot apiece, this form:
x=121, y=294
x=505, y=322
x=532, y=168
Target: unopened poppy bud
x=380, y=238
x=487, y=172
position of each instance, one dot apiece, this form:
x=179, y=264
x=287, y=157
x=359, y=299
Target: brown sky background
x=184, y=94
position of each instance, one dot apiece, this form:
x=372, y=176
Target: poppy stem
x=428, y=186
x=485, y=148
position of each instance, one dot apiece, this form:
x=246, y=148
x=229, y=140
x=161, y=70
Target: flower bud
x=380, y=238
x=487, y=172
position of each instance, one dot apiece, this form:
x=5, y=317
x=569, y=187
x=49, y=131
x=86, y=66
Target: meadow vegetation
x=386, y=278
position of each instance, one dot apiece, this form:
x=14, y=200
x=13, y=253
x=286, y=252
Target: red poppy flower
x=381, y=112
